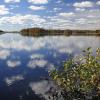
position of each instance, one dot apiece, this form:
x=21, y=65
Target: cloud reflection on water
x=13, y=64
x=41, y=88
x=11, y=80
x=34, y=56
x=37, y=63
x=54, y=42
x=4, y=54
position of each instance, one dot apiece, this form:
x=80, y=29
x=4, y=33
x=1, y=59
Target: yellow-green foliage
x=81, y=73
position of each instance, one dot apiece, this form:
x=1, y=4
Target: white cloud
x=13, y=64
x=56, y=9
x=11, y=1
x=79, y=9
x=70, y=14
x=38, y=1
x=14, y=6
x=21, y=19
x=3, y=10
x=37, y=7
x=11, y=80
x=59, y=1
x=83, y=4
x=4, y=54
x=62, y=20
x=98, y=2
x=68, y=20
x=81, y=20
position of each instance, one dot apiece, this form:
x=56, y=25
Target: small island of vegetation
x=43, y=32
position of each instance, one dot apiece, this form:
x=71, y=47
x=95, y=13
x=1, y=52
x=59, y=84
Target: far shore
x=44, y=32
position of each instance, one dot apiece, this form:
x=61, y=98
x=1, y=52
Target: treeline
x=43, y=32
x=86, y=32
x=1, y=31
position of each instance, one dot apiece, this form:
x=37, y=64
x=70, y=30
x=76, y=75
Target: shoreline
x=36, y=32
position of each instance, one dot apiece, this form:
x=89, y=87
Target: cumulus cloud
x=37, y=7
x=98, y=2
x=38, y=1
x=68, y=20
x=11, y=1
x=81, y=20
x=83, y=4
x=80, y=9
x=4, y=54
x=56, y=9
x=11, y=80
x=60, y=18
x=70, y=14
x=13, y=64
x=3, y=10
x=59, y=1
x=14, y=6
x=21, y=19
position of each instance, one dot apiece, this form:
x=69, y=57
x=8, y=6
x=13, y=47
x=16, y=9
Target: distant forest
x=1, y=31
x=43, y=32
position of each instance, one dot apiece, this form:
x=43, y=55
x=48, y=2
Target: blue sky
x=53, y=14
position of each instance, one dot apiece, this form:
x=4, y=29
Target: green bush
x=81, y=74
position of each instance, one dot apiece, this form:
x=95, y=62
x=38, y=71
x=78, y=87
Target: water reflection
x=25, y=61
x=4, y=54
x=13, y=64
x=41, y=88
x=10, y=80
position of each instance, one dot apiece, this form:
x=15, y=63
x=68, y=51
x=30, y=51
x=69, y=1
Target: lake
x=25, y=62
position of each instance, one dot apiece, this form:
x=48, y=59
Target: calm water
x=25, y=61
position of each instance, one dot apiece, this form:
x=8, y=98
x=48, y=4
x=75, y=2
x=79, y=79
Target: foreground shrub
x=79, y=78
